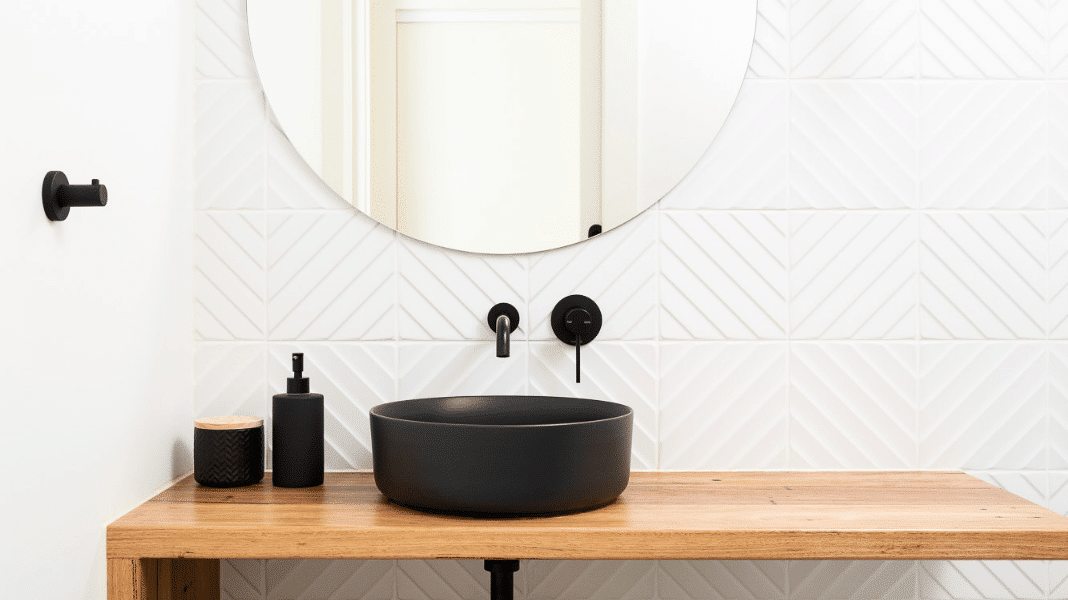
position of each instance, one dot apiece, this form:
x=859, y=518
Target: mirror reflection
x=501, y=126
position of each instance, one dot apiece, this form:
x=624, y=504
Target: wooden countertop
x=663, y=515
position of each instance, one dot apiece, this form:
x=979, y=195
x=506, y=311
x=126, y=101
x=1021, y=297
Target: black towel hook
x=58, y=196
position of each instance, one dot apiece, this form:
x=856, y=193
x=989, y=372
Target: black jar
x=228, y=451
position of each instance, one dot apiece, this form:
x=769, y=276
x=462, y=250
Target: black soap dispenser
x=297, y=449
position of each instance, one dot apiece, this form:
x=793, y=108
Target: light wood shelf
x=663, y=515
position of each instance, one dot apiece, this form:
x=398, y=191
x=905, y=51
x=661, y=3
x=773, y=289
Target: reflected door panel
x=488, y=128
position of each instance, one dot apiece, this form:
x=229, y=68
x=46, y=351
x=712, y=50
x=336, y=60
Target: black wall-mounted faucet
x=576, y=321
x=503, y=319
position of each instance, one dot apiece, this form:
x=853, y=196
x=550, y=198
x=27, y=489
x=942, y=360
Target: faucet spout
x=503, y=319
x=504, y=336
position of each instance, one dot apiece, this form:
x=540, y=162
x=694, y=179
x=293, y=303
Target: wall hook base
x=58, y=196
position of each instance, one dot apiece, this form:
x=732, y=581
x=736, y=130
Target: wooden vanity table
x=168, y=548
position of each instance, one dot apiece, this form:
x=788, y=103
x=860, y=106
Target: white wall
x=866, y=271
x=95, y=312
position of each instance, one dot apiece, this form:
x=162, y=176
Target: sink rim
x=628, y=412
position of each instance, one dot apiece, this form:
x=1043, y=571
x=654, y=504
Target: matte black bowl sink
x=518, y=455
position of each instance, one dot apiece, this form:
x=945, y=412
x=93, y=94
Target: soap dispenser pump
x=297, y=432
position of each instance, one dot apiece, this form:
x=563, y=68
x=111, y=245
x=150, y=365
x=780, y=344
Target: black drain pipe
x=501, y=578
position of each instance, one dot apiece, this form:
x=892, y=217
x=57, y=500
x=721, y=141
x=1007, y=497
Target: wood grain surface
x=132, y=579
x=162, y=579
x=662, y=515
x=228, y=422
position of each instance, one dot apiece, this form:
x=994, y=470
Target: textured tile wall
x=868, y=270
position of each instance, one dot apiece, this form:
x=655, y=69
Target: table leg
x=163, y=579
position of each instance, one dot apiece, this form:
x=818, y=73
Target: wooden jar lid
x=228, y=422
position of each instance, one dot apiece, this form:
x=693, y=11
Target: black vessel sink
x=517, y=455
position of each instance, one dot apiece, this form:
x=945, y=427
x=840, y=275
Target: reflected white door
x=488, y=131
x=480, y=113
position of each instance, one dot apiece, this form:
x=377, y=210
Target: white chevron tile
x=1021, y=579
x=1058, y=39
x=723, y=275
x=747, y=165
x=231, y=152
x=999, y=578
x=983, y=275
x=853, y=38
x=623, y=372
x=723, y=406
x=447, y=580
x=331, y=276
x=617, y=270
x=589, y=580
x=291, y=183
x=1058, y=407
x=721, y=580
x=222, y=42
x=995, y=580
x=771, y=50
x=1058, y=275
x=330, y=579
x=853, y=405
x=983, y=406
x=1058, y=141
x=852, y=579
x=989, y=38
x=1029, y=485
x=353, y=378
x=1058, y=580
x=230, y=275
x=983, y=145
x=1058, y=492
x=241, y=579
x=230, y=380
x=853, y=275
x=1058, y=503
x=446, y=295
x=432, y=369
x=853, y=145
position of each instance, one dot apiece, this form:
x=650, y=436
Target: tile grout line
x=397, y=243
x=1049, y=268
x=1049, y=271
x=528, y=262
x=918, y=203
x=268, y=409
x=789, y=241
x=919, y=214
x=657, y=334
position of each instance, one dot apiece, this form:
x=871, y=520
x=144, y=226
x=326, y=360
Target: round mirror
x=501, y=126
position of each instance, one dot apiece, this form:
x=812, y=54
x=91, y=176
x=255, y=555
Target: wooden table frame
x=168, y=548
x=163, y=579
